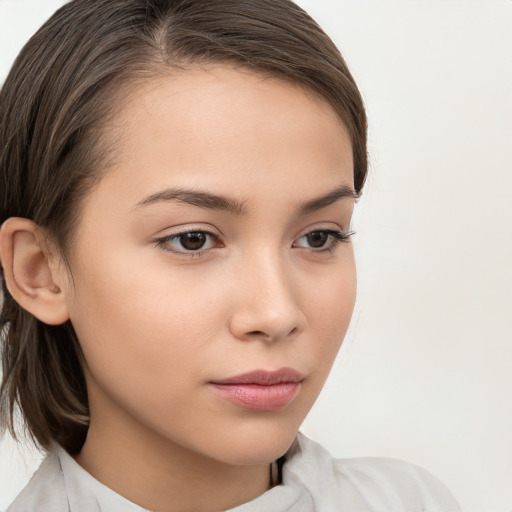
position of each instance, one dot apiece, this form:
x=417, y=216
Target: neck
x=161, y=475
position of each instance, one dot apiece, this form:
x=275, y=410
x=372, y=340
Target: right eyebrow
x=205, y=200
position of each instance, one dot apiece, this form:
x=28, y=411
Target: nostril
x=257, y=333
x=262, y=334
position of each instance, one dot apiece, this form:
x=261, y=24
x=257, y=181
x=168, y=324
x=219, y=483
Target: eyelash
x=336, y=238
x=163, y=242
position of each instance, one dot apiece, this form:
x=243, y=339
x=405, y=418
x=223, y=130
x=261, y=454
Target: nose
x=266, y=303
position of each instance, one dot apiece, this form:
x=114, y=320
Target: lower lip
x=257, y=397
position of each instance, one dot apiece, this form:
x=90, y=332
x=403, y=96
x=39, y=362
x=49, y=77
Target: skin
x=157, y=323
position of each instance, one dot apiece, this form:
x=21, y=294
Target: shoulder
x=45, y=490
x=396, y=482
x=370, y=483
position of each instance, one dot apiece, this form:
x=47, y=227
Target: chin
x=260, y=444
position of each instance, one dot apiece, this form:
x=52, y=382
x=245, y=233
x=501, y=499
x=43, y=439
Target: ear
x=30, y=272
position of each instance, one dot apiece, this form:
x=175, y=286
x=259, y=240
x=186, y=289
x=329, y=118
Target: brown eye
x=189, y=242
x=321, y=240
x=317, y=239
x=193, y=241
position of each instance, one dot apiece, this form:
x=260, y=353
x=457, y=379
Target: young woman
x=178, y=179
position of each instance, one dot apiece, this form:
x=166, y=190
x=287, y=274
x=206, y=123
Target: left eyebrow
x=327, y=199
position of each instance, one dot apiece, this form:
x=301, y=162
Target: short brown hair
x=61, y=89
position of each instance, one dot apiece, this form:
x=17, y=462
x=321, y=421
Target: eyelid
x=333, y=227
x=337, y=236
x=187, y=228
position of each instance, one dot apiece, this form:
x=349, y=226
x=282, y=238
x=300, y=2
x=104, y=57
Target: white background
x=425, y=373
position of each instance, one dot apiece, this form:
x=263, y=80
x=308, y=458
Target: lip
x=260, y=390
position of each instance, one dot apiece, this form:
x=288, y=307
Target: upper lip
x=264, y=377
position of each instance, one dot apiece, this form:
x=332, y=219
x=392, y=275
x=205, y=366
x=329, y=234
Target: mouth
x=260, y=390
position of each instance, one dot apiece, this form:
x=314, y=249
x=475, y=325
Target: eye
x=322, y=239
x=189, y=242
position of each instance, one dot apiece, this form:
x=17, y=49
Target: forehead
x=222, y=126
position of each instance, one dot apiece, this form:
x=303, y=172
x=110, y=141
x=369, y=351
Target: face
x=213, y=274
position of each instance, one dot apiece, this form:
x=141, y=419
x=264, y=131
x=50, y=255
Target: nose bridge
x=266, y=303
x=272, y=279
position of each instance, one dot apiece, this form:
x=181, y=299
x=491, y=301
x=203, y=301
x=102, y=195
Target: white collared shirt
x=313, y=481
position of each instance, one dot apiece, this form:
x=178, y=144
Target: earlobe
x=28, y=271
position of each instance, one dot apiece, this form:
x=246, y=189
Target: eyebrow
x=327, y=199
x=196, y=198
x=211, y=201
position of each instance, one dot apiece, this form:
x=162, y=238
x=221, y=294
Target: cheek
x=329, y=308
x=330, y=295
x=151, y=326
